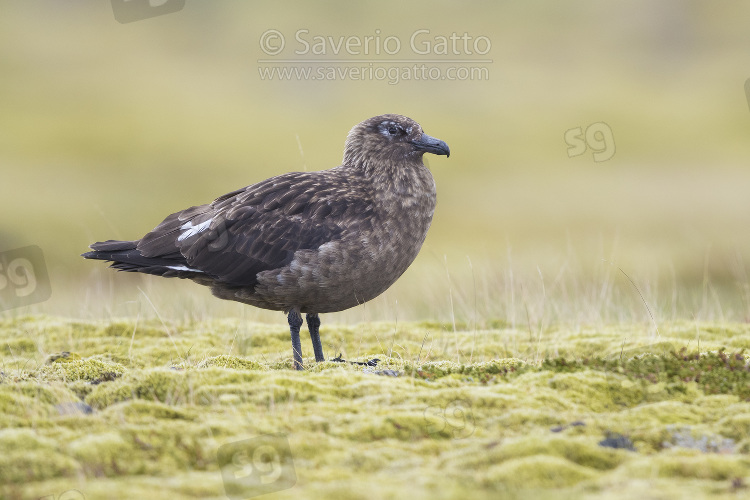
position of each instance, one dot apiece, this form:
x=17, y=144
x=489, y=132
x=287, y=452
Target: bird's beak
x=431, y=145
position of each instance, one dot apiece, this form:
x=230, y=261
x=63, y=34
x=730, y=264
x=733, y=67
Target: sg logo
x=256, y=466
x=23, y=278
x=598, y=137
x=454, y=419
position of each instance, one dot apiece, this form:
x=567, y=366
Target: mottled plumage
x=303, y=242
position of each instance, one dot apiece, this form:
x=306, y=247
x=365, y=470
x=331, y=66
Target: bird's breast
x=368, y=257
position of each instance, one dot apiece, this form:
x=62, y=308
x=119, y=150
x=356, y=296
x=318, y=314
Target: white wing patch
x=191, y=230
x=184, y=268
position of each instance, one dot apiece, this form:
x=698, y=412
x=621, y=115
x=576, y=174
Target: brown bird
x=304, y=242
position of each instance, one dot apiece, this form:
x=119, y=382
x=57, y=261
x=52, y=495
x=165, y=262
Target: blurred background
x=599, y=151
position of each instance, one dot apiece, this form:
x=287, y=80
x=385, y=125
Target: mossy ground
x=141, y=409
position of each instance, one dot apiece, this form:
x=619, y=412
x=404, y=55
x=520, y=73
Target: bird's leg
x=295, y=322
x=313, y=324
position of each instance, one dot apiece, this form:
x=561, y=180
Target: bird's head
x=392, y=139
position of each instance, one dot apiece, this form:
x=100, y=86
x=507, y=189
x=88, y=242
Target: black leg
x=295, y=322
x=313, y=324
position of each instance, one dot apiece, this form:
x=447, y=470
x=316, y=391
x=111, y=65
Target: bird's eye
x=393, y=130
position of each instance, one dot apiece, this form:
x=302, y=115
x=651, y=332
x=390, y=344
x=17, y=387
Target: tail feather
x=113, y=245
x=125, y=256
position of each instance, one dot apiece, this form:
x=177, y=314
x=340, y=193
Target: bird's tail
x=125, y=256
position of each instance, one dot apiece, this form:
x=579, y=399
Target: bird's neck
x=403, y=179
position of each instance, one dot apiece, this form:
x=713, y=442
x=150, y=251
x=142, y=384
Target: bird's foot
x=372, y=362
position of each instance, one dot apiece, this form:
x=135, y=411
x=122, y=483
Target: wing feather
x=260, y=227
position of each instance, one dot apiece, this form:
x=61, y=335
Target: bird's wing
x=260, y=227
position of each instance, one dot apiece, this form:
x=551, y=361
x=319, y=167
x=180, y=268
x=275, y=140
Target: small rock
x=105, y=377
x=63, y=357
x=561, y=428
x=617, y=441
x=74, y=408
x=386, y=373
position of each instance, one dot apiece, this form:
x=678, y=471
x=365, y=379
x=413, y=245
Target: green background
x=106, y=128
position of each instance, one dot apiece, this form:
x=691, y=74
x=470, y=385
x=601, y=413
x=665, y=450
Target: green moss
x=82, y=329
x=156, y=384
x=541, y=471
x=28, y=456
x=105, y=454
x=128, y=329
x=490, y=426
x=445, y=326
x=233, y=362
x=325, y=366
x=589, y=388
x=148, y=411
x=670, y=373
x=665, y=413
x=736, y=427
x=581, y=451
x=401, y=426
x=644, y=352
x=44, y=393
x=225, y=394
x=692, y=464
x=24, y=439
x=18, y=346
x=518, y=419
x=22, y=467
x=91, y=370
x=483, y=372
x=15, y=404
